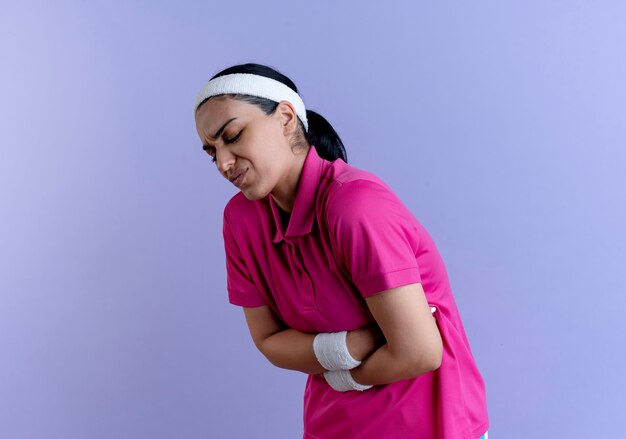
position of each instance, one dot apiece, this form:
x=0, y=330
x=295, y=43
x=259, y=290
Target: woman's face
x=247, y=141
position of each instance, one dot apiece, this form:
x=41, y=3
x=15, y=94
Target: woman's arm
x=414, y=344
x=291, y=349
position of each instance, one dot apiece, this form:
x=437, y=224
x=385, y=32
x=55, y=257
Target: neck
x=284, y=194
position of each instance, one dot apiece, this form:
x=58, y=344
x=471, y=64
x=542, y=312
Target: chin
x=253, y=196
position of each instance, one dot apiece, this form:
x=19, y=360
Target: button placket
x=295, y=256
x=307, y=292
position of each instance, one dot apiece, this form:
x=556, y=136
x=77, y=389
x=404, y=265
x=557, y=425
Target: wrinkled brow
x=218, y=133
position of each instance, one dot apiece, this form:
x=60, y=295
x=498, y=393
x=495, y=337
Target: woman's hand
x=363, y=341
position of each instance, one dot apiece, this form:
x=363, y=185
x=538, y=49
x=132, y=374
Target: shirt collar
x=303, y=212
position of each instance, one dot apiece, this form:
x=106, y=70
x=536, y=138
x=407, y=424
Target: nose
x=224, y=160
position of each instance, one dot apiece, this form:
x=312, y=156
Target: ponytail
x=323, y=136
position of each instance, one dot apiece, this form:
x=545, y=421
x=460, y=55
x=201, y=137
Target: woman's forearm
x=292, y=349
x=383, y=367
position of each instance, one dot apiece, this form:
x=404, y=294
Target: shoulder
x=345, y=183
x=357, y=193
x=237, y=205
x=359, y=203
x=243, y=210
x=240, y=214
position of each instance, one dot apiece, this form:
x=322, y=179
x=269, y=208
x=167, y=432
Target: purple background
x=501, y=125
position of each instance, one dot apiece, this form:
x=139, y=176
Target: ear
x=287, y=116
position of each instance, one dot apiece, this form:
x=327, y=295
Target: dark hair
x=321, y=133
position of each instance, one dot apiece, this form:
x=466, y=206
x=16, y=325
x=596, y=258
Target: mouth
x=234, y=176
x=237, y=179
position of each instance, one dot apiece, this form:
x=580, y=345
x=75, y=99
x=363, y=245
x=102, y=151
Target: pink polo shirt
x=350, y=237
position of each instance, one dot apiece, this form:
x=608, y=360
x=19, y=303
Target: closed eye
x=233, y=140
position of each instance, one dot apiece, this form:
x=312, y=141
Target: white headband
x=254, y=85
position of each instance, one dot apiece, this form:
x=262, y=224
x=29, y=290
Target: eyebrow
x=218, y=133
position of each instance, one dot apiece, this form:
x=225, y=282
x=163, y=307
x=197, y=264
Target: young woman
x=336, y=277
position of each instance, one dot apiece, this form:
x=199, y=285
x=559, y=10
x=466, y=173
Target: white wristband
x=332, y=352
x=342, y=381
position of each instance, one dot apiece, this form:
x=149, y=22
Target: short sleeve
x=374, y=235
x=241, y=288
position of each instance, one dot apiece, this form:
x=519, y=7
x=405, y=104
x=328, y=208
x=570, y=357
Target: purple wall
x=501, y=126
